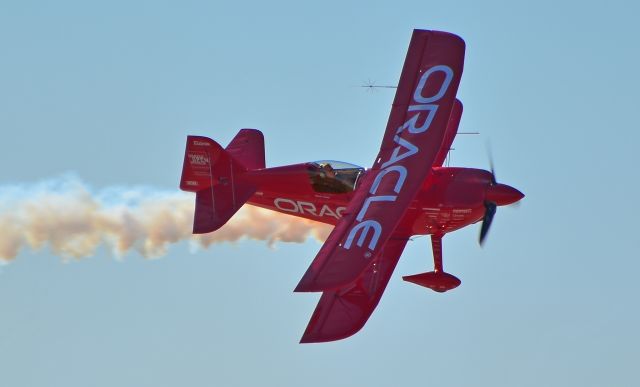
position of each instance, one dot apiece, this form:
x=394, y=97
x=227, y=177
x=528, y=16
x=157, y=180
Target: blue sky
x=109, y=91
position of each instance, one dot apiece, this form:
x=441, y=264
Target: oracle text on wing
x=423, y=110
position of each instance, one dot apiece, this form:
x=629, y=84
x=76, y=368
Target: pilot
x=327, y=171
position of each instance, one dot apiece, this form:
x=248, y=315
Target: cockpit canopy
x=330, y=176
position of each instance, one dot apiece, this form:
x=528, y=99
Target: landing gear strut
x=437, y=279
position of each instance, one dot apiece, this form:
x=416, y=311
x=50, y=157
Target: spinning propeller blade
x=490, y=207
x=491, y=168
x=490, y=211
x=496, y=194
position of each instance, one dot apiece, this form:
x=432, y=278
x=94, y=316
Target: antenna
x=371, y=85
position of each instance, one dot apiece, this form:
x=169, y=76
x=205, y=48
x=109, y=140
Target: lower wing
x=343, y=311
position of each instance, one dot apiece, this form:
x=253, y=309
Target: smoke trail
x=67, y=217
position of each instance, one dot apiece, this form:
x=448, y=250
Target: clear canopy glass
x=338, y=164
x=330, y=176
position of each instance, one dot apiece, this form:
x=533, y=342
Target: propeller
x=489, y=212
x=489, y=207
x=496, y=195
x=490, y=157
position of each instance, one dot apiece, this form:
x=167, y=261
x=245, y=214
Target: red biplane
x=375, y=211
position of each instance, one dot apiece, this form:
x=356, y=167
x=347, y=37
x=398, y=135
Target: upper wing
x=343, y=312
x=413, y=137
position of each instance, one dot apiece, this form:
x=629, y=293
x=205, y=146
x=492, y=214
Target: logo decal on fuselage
x=424, y=110
x=307, y=208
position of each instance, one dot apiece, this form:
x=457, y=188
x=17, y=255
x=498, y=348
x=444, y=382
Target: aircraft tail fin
x=217, y=177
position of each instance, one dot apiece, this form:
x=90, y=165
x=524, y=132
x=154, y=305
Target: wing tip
x=451, y=35
x=319, y=285
x=318, y=338
x=310, y=287
x=310, y=337
x=306, y=283
x=303, y=288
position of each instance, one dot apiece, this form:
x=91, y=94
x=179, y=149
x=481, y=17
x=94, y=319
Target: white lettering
x=198, y=159
x=448, y=76
x=325, y=210
x=416, y=124
x=291, y=206
x=402, y=171
x=366, y=225
x=307, y=208
x=412, y=150
x=310, y=208
x=368, y=201
x=411, y=122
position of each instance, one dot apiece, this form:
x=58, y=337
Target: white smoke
x=71, y=220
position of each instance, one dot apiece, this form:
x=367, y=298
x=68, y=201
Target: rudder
x=247, y=147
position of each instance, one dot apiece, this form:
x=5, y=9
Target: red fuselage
x=450, y=199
